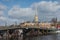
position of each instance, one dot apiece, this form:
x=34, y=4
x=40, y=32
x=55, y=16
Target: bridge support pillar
x=24, y=34
x=47, y=31
x=39, y=32
x=43, y=32
x=7, y=35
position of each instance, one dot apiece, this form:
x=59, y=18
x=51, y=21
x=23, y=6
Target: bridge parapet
x=21, y=27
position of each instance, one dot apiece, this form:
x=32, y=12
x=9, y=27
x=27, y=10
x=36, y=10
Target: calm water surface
x=45, y=37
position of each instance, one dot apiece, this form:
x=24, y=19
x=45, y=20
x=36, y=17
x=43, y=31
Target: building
x=36, y=23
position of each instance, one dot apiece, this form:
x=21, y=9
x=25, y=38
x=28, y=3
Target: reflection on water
x=43, y=37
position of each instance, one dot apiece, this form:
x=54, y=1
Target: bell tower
x=36, y=18
x=36, y=15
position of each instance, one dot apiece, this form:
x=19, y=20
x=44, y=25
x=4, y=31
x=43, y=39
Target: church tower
x=36, y=15
x=36, y=18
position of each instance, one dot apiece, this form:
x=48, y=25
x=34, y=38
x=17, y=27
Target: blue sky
x=22, y=3
x=22, y=10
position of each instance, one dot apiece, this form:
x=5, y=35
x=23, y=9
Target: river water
x=42, y=37
x=45, y=37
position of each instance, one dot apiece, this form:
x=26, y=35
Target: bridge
x=19, y=27
x=28, y=29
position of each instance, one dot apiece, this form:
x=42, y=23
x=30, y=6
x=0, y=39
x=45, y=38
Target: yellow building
x=45, y=25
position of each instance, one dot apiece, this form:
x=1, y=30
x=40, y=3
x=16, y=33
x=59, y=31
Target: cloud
x=18, y=12
x=7, y=20
x=3, y=8
x=1, y=13
x=45, y=9
x=3, y=16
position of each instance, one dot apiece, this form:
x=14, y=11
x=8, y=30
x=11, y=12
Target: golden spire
x=36, y=15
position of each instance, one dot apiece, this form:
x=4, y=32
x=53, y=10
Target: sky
x=12, y=11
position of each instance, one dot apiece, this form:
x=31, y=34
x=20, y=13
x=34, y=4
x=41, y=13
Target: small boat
x=58, y=31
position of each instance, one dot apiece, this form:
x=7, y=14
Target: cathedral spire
x=36, y=15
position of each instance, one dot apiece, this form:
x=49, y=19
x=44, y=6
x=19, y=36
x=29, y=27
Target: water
x=45, y=37
x=42, y=37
